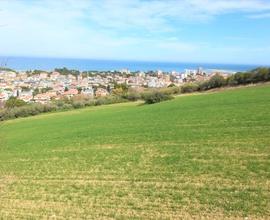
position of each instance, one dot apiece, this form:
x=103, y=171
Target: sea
x=49, y=64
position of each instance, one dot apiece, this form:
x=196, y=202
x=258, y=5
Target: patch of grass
x=195, y=156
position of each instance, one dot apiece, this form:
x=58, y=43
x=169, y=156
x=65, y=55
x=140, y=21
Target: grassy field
x=196, y=156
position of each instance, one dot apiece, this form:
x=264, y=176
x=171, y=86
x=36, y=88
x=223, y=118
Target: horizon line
x=129, y=60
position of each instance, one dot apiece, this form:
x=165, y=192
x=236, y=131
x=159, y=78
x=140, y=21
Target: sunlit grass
x=205, y=155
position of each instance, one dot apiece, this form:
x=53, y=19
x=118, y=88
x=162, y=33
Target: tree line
x=240, y=78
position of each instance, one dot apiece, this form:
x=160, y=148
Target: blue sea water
x=30, y=63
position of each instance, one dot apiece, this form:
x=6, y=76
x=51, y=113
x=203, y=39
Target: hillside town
x=43, y=87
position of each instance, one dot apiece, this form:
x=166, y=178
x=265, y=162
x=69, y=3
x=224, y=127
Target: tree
x=216, y=81
x=66, y=71
x=37, y=72
x=189, y=87
x=44, y=90
x=171, y=85
x=13, y=102
x=155, y=97
x=122, y=86
x=118, y=91
x=35, y=92
x=79, y=89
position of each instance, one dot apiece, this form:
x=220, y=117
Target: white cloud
x=110, y=28
x=156, y=15
x=122, y=14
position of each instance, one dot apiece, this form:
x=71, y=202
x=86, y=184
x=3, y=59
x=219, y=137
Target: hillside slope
x=202, y=155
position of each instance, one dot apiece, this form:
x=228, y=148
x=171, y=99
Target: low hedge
x=155, y=97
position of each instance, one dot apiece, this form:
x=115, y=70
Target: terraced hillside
x=200, y=155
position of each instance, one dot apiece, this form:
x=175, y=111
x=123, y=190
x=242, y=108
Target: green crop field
x=197, y=156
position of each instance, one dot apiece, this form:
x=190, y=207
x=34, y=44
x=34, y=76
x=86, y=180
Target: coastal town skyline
x=39, y=86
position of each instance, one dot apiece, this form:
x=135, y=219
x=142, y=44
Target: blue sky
x=214, y=31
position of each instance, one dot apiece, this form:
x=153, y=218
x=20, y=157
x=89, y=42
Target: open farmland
x=199, y=155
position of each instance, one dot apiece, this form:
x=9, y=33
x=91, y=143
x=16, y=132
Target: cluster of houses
x=46, y=86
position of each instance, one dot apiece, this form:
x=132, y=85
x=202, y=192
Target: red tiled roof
x=71, y=92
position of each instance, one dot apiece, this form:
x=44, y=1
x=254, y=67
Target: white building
x=88, y=91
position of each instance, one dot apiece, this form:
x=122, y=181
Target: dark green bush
x=155, y=97
x=215, y=81
x=254, y=76
x=231, y=81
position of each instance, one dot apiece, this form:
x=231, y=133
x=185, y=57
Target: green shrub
x=5, y=114
x=90, y=102
x=231, y=81
x=109, y=100
x=13, y=102
x=216, y=81
x=78, y=104
x=155, y=97
x=66, y=106
x=59, y=103
x=254, y=76
x=26, y=110
x=173, y=90
x=189, y=87
x=132, y=96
